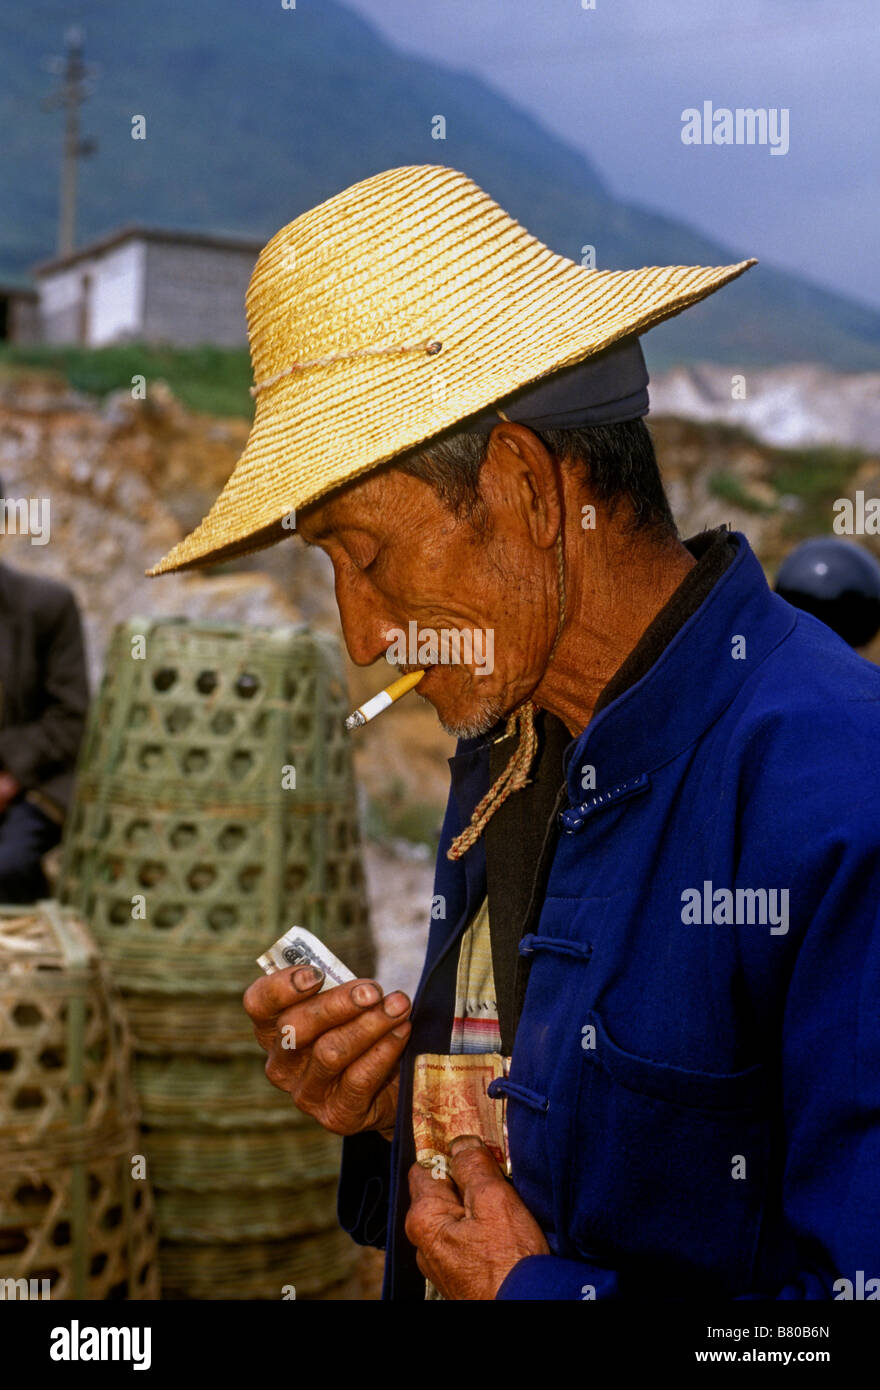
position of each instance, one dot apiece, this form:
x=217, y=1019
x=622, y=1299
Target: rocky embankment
x=126, y=478
x=789, y=406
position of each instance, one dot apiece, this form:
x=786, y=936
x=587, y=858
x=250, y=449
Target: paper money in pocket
x=300, y=947
x=450, y=1098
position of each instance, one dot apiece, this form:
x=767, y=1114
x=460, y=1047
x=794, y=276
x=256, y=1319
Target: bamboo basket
x=258, y=1269
x=71, y=1213
x=207, y=1160
x=182, y=813
x=261, y=1213
x=205, y=1025
x=190, y=855
x=220, y=1092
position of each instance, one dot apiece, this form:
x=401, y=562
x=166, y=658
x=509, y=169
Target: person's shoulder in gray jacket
x=44, y=690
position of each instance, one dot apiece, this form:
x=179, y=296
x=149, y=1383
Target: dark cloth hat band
x=604, y=390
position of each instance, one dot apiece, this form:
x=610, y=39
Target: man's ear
x=522, y=472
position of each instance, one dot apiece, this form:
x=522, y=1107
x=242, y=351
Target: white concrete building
x=148, y=284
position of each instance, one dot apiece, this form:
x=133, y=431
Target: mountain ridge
x=255, y=115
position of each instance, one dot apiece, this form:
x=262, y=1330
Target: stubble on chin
x=480, y=722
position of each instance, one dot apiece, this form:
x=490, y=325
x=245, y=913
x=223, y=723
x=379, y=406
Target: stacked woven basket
x=76, y=1210
x=215, y=808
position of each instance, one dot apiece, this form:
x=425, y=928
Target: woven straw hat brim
x=411, y=256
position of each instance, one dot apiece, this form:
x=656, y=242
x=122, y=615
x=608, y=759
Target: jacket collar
x=689, y=685
x=696, y=676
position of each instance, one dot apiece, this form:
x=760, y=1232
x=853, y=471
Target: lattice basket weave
x=221, y=1092
x=206, y=1025
x=201, y=1161
x=244, y=1212
x=181, y=807
x=181, y=800
x=259, y=1269
x=261, y=1213
x=70, y=1211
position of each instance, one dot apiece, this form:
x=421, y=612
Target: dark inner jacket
x=44, y=691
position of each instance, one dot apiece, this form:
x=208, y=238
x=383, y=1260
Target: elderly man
x=659, y=870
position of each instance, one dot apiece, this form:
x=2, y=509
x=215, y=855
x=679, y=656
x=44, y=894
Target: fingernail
x=395, y=1005
x=402, y=1030
x=464, y=1141
x=366, y=994
x=307, y=977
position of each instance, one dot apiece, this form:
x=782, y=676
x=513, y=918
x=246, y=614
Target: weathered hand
x=336, y=1054
x=469, y=1233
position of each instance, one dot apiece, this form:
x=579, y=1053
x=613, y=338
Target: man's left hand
x=470, y=1232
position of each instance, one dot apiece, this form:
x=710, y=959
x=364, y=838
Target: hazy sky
x=614, y=81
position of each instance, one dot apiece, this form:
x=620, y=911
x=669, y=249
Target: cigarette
x=375, y=705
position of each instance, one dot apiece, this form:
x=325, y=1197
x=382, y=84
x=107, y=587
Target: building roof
x=216, y=241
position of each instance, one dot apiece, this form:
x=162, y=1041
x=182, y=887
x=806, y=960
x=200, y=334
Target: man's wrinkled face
x=401, y=557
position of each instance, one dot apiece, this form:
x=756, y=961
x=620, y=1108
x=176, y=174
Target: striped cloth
x=475, y=1023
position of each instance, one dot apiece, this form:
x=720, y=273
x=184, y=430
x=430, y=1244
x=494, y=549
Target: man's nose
x=364, y=621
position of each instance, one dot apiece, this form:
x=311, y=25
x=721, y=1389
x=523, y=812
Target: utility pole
x=77, y=86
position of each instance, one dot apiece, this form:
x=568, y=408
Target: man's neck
x=612, y=596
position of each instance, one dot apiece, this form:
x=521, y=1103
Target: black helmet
x=836, y=581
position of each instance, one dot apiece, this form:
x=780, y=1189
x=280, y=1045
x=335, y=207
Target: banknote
x=450, y=1098
x=300, y=947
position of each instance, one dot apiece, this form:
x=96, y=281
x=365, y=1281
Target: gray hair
x=619, y=464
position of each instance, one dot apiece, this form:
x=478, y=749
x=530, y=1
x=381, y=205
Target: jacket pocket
x=668, y=1170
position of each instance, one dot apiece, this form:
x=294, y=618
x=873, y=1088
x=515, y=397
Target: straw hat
x=391, y=312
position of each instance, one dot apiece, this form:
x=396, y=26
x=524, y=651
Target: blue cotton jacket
x=694, y=1094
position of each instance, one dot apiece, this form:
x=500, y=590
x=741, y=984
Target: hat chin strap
x=516, y=773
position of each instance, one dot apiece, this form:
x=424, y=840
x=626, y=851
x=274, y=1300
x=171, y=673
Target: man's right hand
x=336, y=1054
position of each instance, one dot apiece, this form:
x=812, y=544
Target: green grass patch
x=208, y=379
x=818, y=476
x=729, y=488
